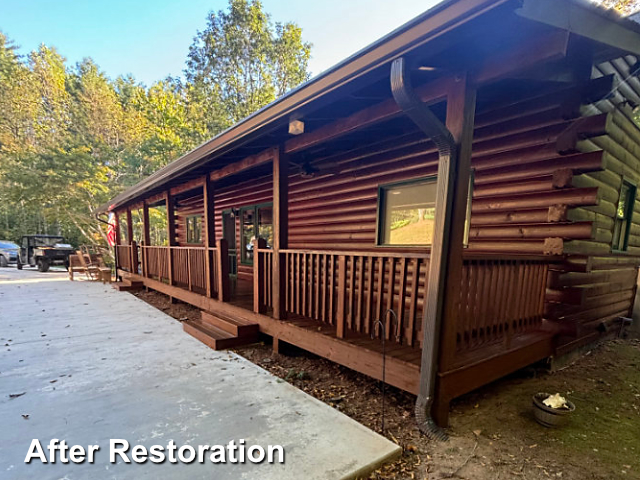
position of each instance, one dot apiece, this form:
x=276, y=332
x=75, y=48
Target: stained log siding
x=595, y=285
x=522, y=185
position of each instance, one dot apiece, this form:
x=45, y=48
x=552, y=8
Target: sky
x=150, y=39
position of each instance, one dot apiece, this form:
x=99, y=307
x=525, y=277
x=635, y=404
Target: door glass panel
x=265, y=224
x=248, y=234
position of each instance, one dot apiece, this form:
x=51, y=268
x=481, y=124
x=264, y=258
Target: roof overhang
x=573, y=16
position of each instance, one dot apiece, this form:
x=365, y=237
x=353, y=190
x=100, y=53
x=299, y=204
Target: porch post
x=280, y=230
x=171, y=231
x=118, y=234
x=209, y=229
x=130, y=239
x=461, y=105
x=146, y=236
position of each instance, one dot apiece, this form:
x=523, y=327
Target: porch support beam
x=171, y=231
x=461, y=104
x=209, y=229
x=132, y=259
x=280, y=230
x=244, y=164
x=146, y=236
x=129, y=227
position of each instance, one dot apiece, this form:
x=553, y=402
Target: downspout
x=437, y=132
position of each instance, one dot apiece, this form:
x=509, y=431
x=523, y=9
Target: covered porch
x=318, y=271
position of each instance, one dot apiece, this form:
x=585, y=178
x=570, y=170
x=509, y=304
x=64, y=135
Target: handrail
x=178, y=247
x=364, y=253
x=468, y=255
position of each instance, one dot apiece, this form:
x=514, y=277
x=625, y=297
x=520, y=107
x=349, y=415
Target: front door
x=229, y=234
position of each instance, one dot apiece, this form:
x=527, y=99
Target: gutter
x=436, y=131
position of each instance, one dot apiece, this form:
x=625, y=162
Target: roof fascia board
x=582, y=21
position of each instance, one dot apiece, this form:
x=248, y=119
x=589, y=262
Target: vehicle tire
x=66, y=265
x=43, y=265
x=3, y=262
x=19, y=265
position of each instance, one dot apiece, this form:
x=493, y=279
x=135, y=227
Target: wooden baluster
x=189, y=280
x=340, y=316
x=288, y=282
x=350, y=288
x=380, y=289
x=369, y=297
x=391, y=288
x=413, y=301
x=323, y=260
x=331, y=288
x=303, y=284
x=317, y=304
x=360, y=294
x=401, y=298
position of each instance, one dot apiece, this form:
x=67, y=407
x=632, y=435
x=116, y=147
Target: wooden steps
x=221, y=332
x=235, y=326
x=127, y=285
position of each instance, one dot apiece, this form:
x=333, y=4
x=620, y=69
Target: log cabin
x=460, y=197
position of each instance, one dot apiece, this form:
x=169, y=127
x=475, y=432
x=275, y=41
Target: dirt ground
x=493, y=434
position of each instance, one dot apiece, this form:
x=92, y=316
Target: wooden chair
x=91, y=264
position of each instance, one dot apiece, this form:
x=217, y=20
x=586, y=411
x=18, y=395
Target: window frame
x=254, y=207
x=186, y=222
x=380, y=210
x=633, y=190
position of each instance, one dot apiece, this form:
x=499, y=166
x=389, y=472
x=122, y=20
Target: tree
x=625, y=7
x=241, y=62
x=71, y=138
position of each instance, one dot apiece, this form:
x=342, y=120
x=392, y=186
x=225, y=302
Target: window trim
x=186, y=223
x=379, y=211
x=255, y=208
x=633, y=189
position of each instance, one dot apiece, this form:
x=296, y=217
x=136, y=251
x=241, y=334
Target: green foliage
x=242, y=61
x=71, y=138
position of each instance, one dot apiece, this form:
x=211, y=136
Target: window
x=194, y=229
x=623, y=217
x=255, y=222
x=406, y=212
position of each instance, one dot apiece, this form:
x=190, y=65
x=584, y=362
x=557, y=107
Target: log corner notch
x=453, y=142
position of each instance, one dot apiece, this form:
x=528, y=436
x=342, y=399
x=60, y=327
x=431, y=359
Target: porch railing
x=184, y=267
x=351, y=290
x=125, y=256
x=499, y=298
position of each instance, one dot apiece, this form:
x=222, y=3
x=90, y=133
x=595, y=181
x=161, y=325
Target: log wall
x=522, y=184
x=597, y=286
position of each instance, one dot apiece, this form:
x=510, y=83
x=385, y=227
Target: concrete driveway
x=84, y=363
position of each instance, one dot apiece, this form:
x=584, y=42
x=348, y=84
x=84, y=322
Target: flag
x=111, y=230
